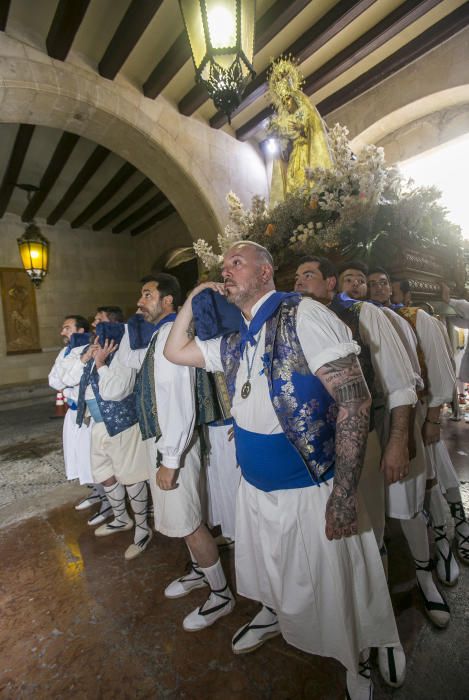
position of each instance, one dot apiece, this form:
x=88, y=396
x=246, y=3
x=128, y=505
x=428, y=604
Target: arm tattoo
x=345, y=382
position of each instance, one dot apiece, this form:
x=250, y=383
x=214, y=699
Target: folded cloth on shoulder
x=214, y=315
x=140, y=332
x=109, y=331
x=77, y=340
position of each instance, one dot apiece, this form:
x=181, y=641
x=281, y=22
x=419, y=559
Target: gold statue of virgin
x=299, y=123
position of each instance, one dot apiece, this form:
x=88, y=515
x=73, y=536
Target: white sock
x=454, y=498
x=116, y=497
x=215, y=576
x=415, y=532
x=436, y=508
x=138, y=496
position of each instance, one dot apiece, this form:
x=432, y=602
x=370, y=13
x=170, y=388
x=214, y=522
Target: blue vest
x=145, y=395
x=117, y=415
x=305, y=410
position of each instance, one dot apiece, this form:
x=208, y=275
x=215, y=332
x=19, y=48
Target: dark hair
x=379, y=271
x=114, y=313
x=325, y=266
x=403, y=285
x=80, y=321
x=168, y=285
x=353, y=265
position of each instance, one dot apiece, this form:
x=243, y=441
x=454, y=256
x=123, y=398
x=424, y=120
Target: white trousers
x=77, y=449
x=331, y=597
x=223, y=477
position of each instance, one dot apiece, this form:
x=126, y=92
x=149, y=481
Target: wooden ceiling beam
x=4, y=10
x=390, y=26
x=67, y=19
x=267, y=27
x=15, y=163
x=62, y=153
x=328, y=26
x=166, y=69
x=113, y=186
x=142, y=189
x=136, y=19
x=415, y=49
x=93, y=163
x=139, y=213
x=159, y=216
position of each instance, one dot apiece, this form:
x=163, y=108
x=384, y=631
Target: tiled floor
x=79, y=622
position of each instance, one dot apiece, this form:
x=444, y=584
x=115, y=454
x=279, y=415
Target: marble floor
x=78, y=621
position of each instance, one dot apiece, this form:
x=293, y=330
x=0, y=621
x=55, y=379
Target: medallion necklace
x=246, y=388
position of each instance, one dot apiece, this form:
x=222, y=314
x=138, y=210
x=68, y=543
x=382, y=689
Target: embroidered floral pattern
x=304, y=408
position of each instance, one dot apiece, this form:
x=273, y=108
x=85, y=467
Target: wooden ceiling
x=344, y=48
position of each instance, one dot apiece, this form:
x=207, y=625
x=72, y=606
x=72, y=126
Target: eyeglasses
x=378, y=283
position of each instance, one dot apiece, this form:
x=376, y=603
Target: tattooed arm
x=181, y=348
x=344, y=380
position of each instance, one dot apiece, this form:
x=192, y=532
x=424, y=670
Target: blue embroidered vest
x=145, y=395
x=305, y=410
x=117, y=415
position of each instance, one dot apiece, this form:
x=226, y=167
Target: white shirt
x=393, y=370
x=174, y=390
x=54, y=379
x=441, y=377
x=408, y=340
x=323, y=338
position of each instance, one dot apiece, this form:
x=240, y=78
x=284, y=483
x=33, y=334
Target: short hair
x=379, y=271
x=168, y=285
x=114, y=313
x=404, y=285
x=353, y=265
x=262, y=252
x=325, y=266
x=80, y=321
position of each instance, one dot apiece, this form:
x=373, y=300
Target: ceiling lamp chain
x=221, y=36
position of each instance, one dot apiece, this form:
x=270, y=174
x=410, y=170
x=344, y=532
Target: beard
x=241, y=296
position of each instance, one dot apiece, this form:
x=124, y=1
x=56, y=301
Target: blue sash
x=93, y=408
x=271, y=463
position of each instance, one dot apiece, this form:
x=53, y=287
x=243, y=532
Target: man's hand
x=90, y=353
x=430, y=433
x=395, y=461
x=341, y=515
x=102, y=353
x=215, y=286
x=166, y=478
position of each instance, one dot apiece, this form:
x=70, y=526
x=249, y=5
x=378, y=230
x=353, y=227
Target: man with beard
x=118, y=457
x=434, y=353
x=301, y=411
x=166, y=411
x=76, y=441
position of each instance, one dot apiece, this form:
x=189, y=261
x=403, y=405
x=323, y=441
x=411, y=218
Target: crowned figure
x=300, y=128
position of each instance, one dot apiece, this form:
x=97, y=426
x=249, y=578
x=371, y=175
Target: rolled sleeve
x=323, y=336
x=210, y=350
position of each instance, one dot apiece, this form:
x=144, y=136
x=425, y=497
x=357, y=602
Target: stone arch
x=183, y=157
x=420, y=125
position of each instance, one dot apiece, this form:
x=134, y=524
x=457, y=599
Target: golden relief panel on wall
x=19, y=311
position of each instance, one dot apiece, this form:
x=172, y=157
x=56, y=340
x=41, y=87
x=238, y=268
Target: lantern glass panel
x=222, y=23
x=192, y=15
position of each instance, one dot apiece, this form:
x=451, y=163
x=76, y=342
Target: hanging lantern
x=34, y=251
x=221, y=35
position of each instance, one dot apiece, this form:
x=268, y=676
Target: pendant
x=246, y=389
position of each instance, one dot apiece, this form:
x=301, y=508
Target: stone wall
x=87, y=269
